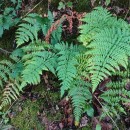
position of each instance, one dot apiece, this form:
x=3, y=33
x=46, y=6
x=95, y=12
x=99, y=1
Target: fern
x=108, y=42
x=80, y=94
x=97, y=20
x=32, y=24
x=82, y=67
x=10, y=71
x=66, y=69
x=28, y=30
x=11, y=92
x=115, y=97
x=111, y=49
x=36, y=59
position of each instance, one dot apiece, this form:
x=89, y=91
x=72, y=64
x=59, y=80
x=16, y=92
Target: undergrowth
x=81, y=69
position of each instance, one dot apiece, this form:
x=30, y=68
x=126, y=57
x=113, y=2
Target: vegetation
x=92, y=73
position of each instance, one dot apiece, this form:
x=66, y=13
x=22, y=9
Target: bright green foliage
x=111, y=49
x=115, y=97
x=66, y=69
x=108, y=42
x=82, y=67
x=80, y=95
x=28, y=30
x=32, y=24
x=97, y=20
x=36, y=59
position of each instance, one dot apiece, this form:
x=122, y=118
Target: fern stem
x=107, y=112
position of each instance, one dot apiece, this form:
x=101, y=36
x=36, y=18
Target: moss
x=83, y=6
x=27, y=118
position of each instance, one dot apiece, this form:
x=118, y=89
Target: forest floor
x=40, y=107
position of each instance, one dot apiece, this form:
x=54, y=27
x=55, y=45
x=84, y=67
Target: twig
x=4, y=51
x=32, y=9
x=107, y=112
x=127, y=13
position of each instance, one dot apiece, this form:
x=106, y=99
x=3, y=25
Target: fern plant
x=36, y=59
x=10, y=71
x=105, y=50
x=107, y=39
x=10, y=93
x=115, y=97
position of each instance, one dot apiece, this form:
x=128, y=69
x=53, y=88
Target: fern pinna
x=108, y=42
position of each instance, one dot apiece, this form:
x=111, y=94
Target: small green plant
x=8, y=17
x=62, y=5
x=4, y=117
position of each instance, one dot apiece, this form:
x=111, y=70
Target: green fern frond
x=80, y=94
x=28, y=30
x=11, y=92
x=5, y=71
x=66, y=69
x=34, y=66
x=97, y=20
x=115, y=97
x=10, y=69
x=107, y=40
x=110, y=50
